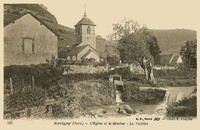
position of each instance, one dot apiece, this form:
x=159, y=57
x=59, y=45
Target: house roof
x=86, y=54
x=75, y=50
x=8, y=20
x=168, y=59
x=165, y=59
x=174, y=60
x=85, y=21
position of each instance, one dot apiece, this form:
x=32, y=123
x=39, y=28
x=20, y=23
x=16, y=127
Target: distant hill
x=171, y=40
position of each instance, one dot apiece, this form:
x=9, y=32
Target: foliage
x=25, y=99
x=113, y=60
x=135, y=41
x=40, y=11
x=45, y=75
x=59, y=111
x=124, y=72
x=133, y=94
x=189, y=54
x=84, y=62
x=176, y=74
x=86, y=96
x=185, y=107
x=154, y=49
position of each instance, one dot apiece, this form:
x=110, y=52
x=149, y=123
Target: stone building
x=27, y=40
x=85, y=47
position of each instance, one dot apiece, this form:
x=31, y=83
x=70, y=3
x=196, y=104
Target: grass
x=183, y=108
x=176, y=82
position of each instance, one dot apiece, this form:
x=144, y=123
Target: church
x=85, y=47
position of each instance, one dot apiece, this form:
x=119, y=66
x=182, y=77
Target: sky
x=155, y=14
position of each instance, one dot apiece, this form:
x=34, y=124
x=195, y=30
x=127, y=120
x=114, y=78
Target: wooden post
x=11, y=86
x=22, y=81
x=33, y=81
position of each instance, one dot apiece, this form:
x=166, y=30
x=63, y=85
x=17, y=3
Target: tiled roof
x=169, y=59
x=165, y=59
x=85, y=21
x=75, y=50
x=86, y=54
x=174, y=60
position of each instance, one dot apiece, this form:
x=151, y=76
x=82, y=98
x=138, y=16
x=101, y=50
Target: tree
x=113, y=60
x=189, y=54
x=154, y=49
x=136, y=44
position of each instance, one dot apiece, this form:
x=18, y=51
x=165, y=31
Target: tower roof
x=85, y=21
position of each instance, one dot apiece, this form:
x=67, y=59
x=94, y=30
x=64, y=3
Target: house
x=85, y=47
x=83, y=52
x=169, y=61
x=28, y=40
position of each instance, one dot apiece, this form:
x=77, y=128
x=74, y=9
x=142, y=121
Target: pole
x=11, y=86
x=33, y=81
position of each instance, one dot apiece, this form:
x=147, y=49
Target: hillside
x=13, y=10
x=66, y=35
x=171, y=40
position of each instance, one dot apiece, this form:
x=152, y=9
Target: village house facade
x=169, y=61
x=27, y=40
x=85, y=47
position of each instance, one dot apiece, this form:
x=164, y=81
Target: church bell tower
x=85, y=32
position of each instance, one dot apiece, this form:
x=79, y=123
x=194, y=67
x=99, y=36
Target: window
x=88, y=29
x=79, y=30
x=28, y=45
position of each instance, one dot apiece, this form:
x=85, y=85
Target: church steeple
x=85, y=31
x=85, y=15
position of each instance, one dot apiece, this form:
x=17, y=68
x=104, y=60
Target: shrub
x=185, y=107
x=176, y=74
x=132, y=93
x=30, y=98
x=45, y=75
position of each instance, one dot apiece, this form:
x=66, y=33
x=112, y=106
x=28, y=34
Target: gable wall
x=45, y=42
x=85, y=50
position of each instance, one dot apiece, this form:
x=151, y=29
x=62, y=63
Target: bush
x=176, y=74
x=133, y=94
x=83, y=62
x=183, y=108
x=45, y=75
x=30, y=98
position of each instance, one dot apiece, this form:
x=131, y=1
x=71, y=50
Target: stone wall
x=86, y=69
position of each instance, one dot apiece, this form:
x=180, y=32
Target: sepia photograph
x=94, y=60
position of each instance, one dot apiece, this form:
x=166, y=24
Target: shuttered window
x=28, y=45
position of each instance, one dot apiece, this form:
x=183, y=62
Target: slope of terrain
x=171, y=40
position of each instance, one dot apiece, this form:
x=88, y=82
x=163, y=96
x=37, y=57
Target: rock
x=104, y=111
x=122, y=111
x=97, y=113
x=100, y=115
x=126, y=110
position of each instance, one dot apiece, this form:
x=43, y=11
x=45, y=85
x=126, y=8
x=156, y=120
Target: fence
x=85, y=69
